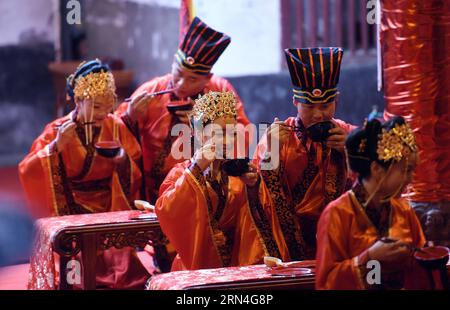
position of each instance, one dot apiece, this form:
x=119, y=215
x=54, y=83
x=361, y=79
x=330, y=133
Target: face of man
x=186, y=83
x=314, y=113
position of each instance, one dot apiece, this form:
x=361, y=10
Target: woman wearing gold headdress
x=208, y=215
x=63, y=174
x=371, y=222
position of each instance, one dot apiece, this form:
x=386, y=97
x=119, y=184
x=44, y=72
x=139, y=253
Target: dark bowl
x=434, y=257
x=319, y=132
x=175, y=106
x=107, y=149
x=236, y=167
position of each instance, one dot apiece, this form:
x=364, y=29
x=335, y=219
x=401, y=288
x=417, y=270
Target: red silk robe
x=78, y=180
x=62, y=183
x=307, y=179
x=154, y=134
x=345, y=232
x=207, y=231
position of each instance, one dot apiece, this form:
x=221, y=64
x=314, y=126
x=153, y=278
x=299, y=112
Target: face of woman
x=398, y=176
x=96, y=109
x=222, y=132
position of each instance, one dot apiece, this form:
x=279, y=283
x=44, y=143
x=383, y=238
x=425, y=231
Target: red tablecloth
x=42, y=273
x=180, y=280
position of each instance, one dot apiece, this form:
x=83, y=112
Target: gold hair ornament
x=214, y=105
x=94, y=84
x=391, y=144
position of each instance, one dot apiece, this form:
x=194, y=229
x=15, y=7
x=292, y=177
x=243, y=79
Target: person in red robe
x=371, y=222
x=149, y=118
x=64, y=174
x=208, y=212
x=302, y=160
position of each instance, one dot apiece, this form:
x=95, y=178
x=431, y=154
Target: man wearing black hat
x=310, y=170
x=149, y=117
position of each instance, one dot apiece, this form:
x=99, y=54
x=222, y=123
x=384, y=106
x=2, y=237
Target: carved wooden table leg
x=443, y=273
x=63, y=285
x=162, y=258
x=89, y=258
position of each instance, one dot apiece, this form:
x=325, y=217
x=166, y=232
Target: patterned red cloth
x=180, y=280
x=42, y=274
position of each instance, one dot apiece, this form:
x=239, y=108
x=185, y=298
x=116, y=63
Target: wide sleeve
x=46, y=137
x=335, y=270
x=35, y=173
x=183, y=216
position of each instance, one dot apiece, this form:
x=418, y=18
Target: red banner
x=187, y=14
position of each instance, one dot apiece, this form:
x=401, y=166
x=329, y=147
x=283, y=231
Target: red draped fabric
x=415, y=39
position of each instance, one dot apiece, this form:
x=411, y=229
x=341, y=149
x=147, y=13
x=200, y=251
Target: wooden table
x=70, y=235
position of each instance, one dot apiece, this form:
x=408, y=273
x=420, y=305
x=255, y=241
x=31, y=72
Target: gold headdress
x=94, y=84
x=391, y=144
x=214, y=105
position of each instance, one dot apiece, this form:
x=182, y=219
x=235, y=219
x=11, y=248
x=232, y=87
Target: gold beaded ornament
x=396, y=143
x=94, y=84
x=214, y=105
